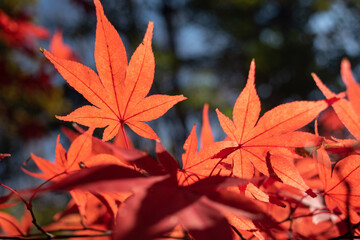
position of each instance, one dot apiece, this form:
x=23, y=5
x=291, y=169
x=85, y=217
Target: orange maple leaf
x=252, y=139
x=341, y=184
x=10, y=226
x=348, y=111
x=119, y=92
x=79, y=155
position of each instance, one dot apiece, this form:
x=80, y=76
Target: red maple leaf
x=348, y=111
x=263, y=143
x=158, y=204
x=78, y=156
x=119, y=92
x=10, y=226
x=341, y=184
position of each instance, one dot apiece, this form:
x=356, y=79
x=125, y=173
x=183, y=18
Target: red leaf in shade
x=169, y=163
x=119, y=92
x=198, y=208
x=108, y=177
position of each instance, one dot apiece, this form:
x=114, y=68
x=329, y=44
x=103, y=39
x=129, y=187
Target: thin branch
x=60, y=236
x=237, y=232
x=29, y=207
x=41, y=185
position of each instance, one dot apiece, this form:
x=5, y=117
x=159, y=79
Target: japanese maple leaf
x=119, y=92
x=187, y=176
x=159, y=203
x=341, y=184
x=183, y=175
x=79, y=155
x=80, y=150
x=348, y=111
x=10, y=226
x=119, y=152
x=252, y=139
x=65, y=163
x=195, y=168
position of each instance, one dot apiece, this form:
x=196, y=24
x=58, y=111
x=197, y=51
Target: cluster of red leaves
x=20, y=32
x=28, y=99
x=266, y=179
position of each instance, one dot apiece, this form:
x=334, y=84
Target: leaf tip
x=97, y=2
x=149, y=32
x=252, y=64
x=151, y=25
x=62, y=118
x=345, y=63
x=182, y=97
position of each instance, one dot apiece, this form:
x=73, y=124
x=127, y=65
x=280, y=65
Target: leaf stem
x=124, y=135
x=41, y=185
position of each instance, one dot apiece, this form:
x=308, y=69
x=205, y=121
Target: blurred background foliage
x=203, y=49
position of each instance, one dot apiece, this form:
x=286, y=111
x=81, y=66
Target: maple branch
x=183, y=238
x=41, y=185
x=237, y=232
x=80, y=229
x=29, y=208
x=60, y=236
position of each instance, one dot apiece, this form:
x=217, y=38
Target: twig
x=29, y=207
x=60, y=236
x=237, y=232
